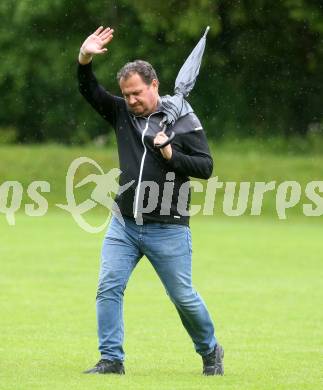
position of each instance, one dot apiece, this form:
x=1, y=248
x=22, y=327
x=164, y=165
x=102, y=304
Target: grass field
x=261, y=279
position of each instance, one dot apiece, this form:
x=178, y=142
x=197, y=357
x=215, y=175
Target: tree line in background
x=261, y=73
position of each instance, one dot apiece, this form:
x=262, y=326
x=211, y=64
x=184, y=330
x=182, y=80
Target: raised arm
x=95, y=44
x=102, y=101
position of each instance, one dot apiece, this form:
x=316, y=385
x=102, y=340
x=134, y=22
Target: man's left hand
x=167, y=151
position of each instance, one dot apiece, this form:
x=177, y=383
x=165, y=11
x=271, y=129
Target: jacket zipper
x=141, y=166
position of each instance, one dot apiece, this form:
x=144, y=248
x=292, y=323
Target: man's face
x=141, y=98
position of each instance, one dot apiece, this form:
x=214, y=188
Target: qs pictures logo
x=235, y=199
x=106, y=186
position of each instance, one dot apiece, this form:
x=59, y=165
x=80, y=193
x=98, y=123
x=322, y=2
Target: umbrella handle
x=170, y=139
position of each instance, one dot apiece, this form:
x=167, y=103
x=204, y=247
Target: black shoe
x=213, y=362
x=104, y=366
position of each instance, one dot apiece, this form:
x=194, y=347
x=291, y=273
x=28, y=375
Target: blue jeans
x=168, y=247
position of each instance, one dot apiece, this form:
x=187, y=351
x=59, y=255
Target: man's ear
x=155, y=84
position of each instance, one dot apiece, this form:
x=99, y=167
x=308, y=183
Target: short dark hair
x=143, y=68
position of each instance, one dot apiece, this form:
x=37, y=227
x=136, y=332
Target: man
x=162, y=232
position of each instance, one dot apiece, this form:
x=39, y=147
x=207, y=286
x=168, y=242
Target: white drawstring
x=141, y=167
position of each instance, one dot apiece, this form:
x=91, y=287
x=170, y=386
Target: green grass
x=261, y=279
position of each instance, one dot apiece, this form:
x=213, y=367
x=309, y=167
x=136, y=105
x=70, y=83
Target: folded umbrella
x=176, y=106
x=188, y=73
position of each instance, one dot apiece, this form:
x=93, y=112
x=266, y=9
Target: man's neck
x=156, y=107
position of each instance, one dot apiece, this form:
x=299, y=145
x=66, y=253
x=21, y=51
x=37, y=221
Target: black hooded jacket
x=141, y=162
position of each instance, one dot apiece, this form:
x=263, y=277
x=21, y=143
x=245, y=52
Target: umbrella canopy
x=176, y=106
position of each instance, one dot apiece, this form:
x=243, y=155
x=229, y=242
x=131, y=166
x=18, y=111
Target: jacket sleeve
x=193, y=158
x=102, y=101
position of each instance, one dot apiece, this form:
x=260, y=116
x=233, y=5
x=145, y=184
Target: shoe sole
x=121, y=372
x=104, y=373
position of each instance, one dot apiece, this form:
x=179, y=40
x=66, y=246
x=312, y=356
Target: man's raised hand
x=95, y=44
